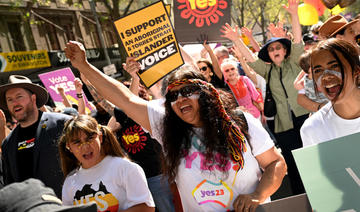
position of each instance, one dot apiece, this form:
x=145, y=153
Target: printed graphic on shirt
x=208, y=191
x=105, y=201
x=26, y=144
x=134, y=139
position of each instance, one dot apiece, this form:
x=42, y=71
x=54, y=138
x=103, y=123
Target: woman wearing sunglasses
x=278, y=58
x=97, y=170
x=336, y=73
x=207, y=154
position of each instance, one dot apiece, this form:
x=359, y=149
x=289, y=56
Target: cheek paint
x=327, y=72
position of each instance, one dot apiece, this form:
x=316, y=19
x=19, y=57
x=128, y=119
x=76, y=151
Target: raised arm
x=66, y=101
x=108, y=107
x=132, y=67
x=187, y=58
x=232, y=34
x=292, y=8
x=109, y=88
x=249, y=34
x=80, y=96
x=248, y=71
x=4, y=131
x=214, y=61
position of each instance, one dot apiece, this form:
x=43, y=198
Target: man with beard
x=30, y=150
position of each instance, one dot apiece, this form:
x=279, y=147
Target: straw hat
x=334, y=25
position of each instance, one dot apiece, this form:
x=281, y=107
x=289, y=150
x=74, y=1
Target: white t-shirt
x=114, y=184
x=204, y=190
x=326, y=125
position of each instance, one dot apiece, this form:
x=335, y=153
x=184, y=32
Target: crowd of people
x=198, y=140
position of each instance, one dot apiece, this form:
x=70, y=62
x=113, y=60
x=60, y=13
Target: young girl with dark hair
x=336, y=73
x=96, y=169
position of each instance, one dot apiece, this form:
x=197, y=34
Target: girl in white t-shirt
x=336, y=72
x=97, y=170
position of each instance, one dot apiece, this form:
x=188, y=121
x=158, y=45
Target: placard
x=62, y=78
x=195, y=17
x=148, y=35
x=330, y=172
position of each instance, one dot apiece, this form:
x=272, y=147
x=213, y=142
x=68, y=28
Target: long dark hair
x=89, y=126
x=176, y=132
x=349, y=53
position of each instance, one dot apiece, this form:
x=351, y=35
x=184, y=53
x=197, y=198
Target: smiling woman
x=336, y=70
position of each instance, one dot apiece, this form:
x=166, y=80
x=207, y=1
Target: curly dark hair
x=348, y=51
x=176, y=132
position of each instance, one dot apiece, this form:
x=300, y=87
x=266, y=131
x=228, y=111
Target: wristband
x=79, y=95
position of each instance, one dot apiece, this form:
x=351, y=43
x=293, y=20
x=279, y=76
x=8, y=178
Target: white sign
x=109, y=69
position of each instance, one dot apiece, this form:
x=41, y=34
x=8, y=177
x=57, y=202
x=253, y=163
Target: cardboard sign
x=15, y=61
x=330, y=172
x=62, y=78
x=298, y=203
x=195, y=17
x=148, y=35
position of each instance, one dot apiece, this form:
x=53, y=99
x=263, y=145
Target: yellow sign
x=15, y=61
x=148, y=35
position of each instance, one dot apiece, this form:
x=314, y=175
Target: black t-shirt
x=102, y=118
x=25, y=150
x=138, y=144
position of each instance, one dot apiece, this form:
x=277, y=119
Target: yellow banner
x=148, y=35
x=15, y=61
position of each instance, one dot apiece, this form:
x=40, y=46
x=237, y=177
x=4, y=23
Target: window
x=16, y=36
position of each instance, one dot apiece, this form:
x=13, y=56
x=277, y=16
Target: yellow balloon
x=336, y=10
x=307, y=14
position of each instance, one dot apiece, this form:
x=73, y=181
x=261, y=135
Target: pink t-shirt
x=245, y=93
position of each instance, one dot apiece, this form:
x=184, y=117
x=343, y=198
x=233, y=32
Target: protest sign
x=147, y=35
x=298, y=203
x=195, y=17
x=330, y=172
x=15, y=61
x=62, y=78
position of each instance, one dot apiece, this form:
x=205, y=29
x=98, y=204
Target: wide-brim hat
x=32, y=195
x=334, y=25
x=264, y=53
x=18, y=81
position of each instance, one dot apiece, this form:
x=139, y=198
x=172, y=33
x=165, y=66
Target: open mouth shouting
x=331, y=84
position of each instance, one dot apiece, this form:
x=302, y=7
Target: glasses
x=78, y=143
x=204, y=68
x=357, y=39
x=187, y=91
x=271, y=49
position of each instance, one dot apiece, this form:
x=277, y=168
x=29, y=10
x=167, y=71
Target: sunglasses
x=187, y=91
x=204, y=68
x=271, y=49
x=357, y=39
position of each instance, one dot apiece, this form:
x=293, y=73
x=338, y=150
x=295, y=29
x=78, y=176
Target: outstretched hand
x=247, y=32
x=75, y=51
x=292, y=7
x=229, y=32
x=277, y=30
x=131, y=66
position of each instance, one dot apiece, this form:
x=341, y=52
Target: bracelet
x=79, y=95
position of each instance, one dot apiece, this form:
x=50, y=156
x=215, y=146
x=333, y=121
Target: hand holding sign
x=75, y=51
x=246, y=202
x=131, y=66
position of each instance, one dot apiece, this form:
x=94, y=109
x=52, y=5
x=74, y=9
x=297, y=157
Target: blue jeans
x=160, y=190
